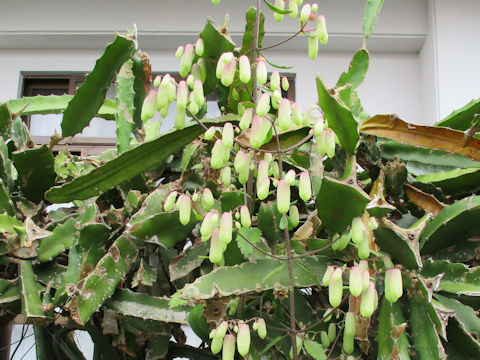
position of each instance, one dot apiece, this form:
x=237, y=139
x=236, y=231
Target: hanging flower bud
x=263, y=105
x=190, y=81
x=305, y=186
x=184, y=209
x=256, y=134
x=226, y=175
x=318, y=127
x=275, y=81
x=330, y=143
x=276, y=98
x=178, y=54
x=203, y=68
x=332, y=332
x=225, y=234
x=297, y=115
x=192, y=105
x=157, y=81
x=365, y=279
x=207, y=199
x=322, y=30
x=294, y=216
x=243, y=339
x=305, y=14
x=327, y=275
x=182, y=94
x=285, y=84
x=283, y=197
x=335, y=288
x=275, y=170
x=357, y=230
x=261, y=71
x=284, y=114
x=216, y=2
x=170, y=201
x=324, y=339
x=367, y=304
x=293, y=8
x=245, y=73
x=262, y=188
x=179, y=120
x=227, y=135
x=228, y=350
x=299, y=2
x=218, y=155
x=290, y=177
x=262, y=171
x=209, y=223
x=187, y=60
x=313, y=47
x=347, y=343
x=245, y=216
x=216, y=345
x=364, y=248
x=393, y=285
x=342, y=242
x=355, y=281
x=197, y=73
x=350, y=328
x=281, y=5
x=228, y=73
x=261, y=328
x=221, y=64
x=241, y=165
x=199, y=48
x=216, y=248
x=149, y=104
x=210, y=133
x=246, y=119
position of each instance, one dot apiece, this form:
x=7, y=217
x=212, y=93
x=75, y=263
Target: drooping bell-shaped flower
x=246, y=119
x=228, y=349
x=285, y=114
x=157, y=80
x=327, y=275
x=313, y=47
x=243, y=339
x=182, y=94
x=149, y=105
x=199, y=47
x=275, y=81
x=178, y=54
x=209, y=223
x=393, y=285
x=290, y=177
x=322, y=30
x=367, y=304
x=305, y=14
x=262, y=188
x=285, y=83
x=294, y=216
x=210, y=133
x=364, y=248
x=226, y=175
x=276, y=98
x=350, y=326
x=207, y=199
x=293, y=8
x=318, y=127
x=187, y=60
x=203, y=68
x=170, y=201
x=330, y=143
x=179, y=119
x=283, y=197
x=261, y=71
x=228, y=73
x=263, y=105
x=192, y=105
x=216, y=249
x=357, y=230
x=227, y=135
x=335, y=288
x=280, y=5
x=261, y=328
x=225, y=234
x=245, y=72
x=242, y=166
x=305, y=186
x=184, y=205
x=218, y=155
x=297, y=114
x=355, y=281
x=245, y=219
x=198, y=96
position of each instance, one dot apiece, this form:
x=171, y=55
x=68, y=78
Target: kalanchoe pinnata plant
x=323, y=232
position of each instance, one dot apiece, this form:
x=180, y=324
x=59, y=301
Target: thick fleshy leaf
x=251, y=277
x=455, y=278
x=187, y=261
x=91, y=94
x=391, y=336
x=401, y=244
x=269, y=221
x=422, y=200
x=454, y=182
x=356, y=70
x=148, y=307
x=339, y=117
x=372, y=10
x=461, y=119
x=31, y=302
x=124, y=98
x=61, y=239
x=35, y=171
x=248, y=35
x=456, y=223
x=338, y=202
x=430, y=137
x=276, y=9
x=252, y=234
x=314, y=349
x=425, y=338
x=142, y=71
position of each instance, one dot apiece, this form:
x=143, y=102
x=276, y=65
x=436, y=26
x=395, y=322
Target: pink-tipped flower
x=280, y=5
x=209, y=223
x=246, y=119
x=228, y=350
x=245, y=73
x=197, y=73
x=263, y=105
x=242, y=166
x=275, y=81
x=357, y=230
x=283, y=197
x=245, y=219
x=192, y=105
x=225, y=233
x=285, y=114
x=297, y=114
x=290, y=177
x=184, y=209
x=179, y=119
x=198, y=96
x=305, y=14
x=367, y=304
x=335, y=288
x=157, y=80
x=293, y=8
x=187, y=60
x=262, y=188
x=355, y=281
x=207, y=199
x=170, y=201
x=199, y=48
x=330, y=143
x=393, y=285
x=149, y=104
x=218, y=155
x=261, y=328
x=228, y=73
x=313, y=47
x=318, y=127
x=322, y=30
x=262, y=171
x=285, y=83
x=227, y=135
x=305, y=186
x=178, y=54
x=226, y=175
x=216, y=248
x=162, y=97
x=365, y=278
x=294, y=216
x=364, y=248
x=243, y=339
x=261, y=71
x=350, y=326
x=182, y=94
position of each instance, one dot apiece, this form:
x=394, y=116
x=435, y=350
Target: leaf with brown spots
x=424, y=201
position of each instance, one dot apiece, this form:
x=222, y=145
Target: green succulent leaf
x=372, y=10
x=356, y=70
x=125, y=98
x=462, y=119
x=249, y=33
x=392, y=338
